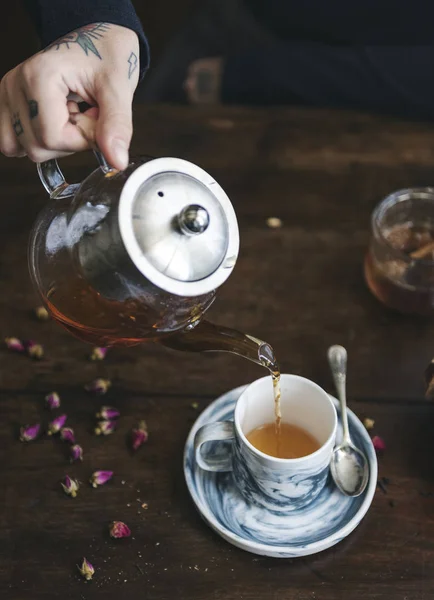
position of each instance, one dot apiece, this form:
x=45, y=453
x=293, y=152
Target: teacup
x=278, y=484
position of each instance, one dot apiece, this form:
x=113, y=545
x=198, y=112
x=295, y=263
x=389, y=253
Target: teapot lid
x=178, y=227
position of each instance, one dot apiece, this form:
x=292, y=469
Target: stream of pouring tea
x=268, y=359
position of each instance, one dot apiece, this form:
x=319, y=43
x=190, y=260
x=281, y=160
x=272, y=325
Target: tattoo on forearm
x=33, y=109
x=17, y=125
x=132, y=61
x=84, y=37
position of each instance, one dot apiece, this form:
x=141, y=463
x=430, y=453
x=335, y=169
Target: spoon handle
x=337, y=356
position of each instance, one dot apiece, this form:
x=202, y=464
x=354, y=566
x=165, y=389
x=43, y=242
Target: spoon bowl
x=349, y=470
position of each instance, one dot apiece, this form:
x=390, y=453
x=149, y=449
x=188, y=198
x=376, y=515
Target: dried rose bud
x=67, y=435
x=139, y=435
x=14, y=344
x=42, y=313
x=86, y=569
x=98, y=386
x=368, y=423
x=274, y=222
x=119, y=530
x=429, y=380
x=52, y=400
x=76, y=453
x=98, y=353
x=29, y=432
x=34, y=350
x=378, y=443
x=107, y=413
x=70, y=487
x=105, y=427
x=56, y=424
x=100, y=478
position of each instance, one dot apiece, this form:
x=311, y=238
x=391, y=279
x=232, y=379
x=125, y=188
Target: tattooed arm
x=99, y=62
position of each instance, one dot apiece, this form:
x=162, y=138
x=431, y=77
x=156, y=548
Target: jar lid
x=178, y=227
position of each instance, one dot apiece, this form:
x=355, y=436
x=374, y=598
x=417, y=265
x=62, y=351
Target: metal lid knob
x=193, y=219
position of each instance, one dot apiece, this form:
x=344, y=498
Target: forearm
x=55, y=18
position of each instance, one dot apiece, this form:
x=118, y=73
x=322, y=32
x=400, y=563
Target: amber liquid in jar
x=405, y=281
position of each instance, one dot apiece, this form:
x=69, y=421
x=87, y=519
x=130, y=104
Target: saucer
x=307, y=530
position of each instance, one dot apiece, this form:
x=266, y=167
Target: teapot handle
x=54, y=182
x=49, y=171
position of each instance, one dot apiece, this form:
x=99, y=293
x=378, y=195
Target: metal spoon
x=349, y=466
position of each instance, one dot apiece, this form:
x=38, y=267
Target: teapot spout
x=207, y=337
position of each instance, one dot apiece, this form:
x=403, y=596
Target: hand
x=100, y=64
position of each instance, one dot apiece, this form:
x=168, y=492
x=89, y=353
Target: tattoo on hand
x=17, y=125
x=33, y=109
x=84, y=37
x=132, y=61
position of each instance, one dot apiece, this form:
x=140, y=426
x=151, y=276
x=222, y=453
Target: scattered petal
x=119, y=530
x=86, y=570
x=194, y=405
x=429, y=380
x=378, y=443
x=98, y=386
x=105, y=427
x=368, y=423
x=53, y=400
x=70, y=487
x=107, y=413
x=67, y=435
x=274, y=222
x=100, y=478
x=56, y=424
x=98, y=353
x=14, y=344
x=139, y=435
x=76, y=453
x=29, y=432
x=34, y=350
x=42, y=313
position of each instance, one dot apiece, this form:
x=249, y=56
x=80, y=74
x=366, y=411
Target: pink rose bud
x=119, y=530
x=76, y=453
x=42, y=313
x=98, y=386
x=29, y=433
x=70, y=487
x=15, y=344
x=52, y=400
x=86, y=569
x=67, y=435
x=100, y=478
x=139, y=435
x=98, y=354
x=56, y=424
x=107, y=413
x=379, y=444
x=105, y=427
x=34, y=350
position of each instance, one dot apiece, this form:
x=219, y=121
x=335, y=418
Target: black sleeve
x=55, y=18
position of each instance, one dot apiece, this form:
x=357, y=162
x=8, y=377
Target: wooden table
x=300, y=288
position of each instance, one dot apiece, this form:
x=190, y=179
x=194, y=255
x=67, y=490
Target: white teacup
x=279, y=484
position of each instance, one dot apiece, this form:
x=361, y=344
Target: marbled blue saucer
x=322, y=524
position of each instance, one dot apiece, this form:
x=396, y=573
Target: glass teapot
x=133, y=256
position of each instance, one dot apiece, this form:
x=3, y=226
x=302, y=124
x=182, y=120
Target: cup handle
x=214, y=432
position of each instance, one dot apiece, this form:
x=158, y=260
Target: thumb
x=114, y=127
